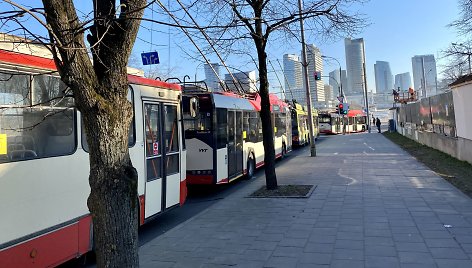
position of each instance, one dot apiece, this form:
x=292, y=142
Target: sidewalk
x=374, y=206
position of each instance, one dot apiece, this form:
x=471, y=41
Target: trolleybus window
x=35, y=128
x=153, y=143
x=171, y=139
x=222, y=128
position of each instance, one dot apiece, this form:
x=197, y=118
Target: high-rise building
x=294, y=78
x=293, y=71
x=383, y=77
x=315, y=64
x=355, y=64
x=424, y=75
x=403, y=81
x=337, y=83
x=211, y=77
x=244, y=80
x=329, y=92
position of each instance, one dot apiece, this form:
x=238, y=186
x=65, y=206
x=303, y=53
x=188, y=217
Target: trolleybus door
x=239, y=142
x=162, y=157
x=235, y=143
x=232, y=170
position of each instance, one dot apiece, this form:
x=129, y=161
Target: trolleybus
x=300, y=128
x=224, y=137
x=44, y=163
x=333, y=123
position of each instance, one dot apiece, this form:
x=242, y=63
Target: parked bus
x=333, y=123
x=300, y=128
x=44, y=161
x=330, y=123
x=357, y=121
x=224, y=134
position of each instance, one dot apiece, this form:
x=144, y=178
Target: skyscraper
x=383, y=77
x=424, y=75
x=211, y=79
x=329, y=92
x=315, y=64
x=403, y=81
x=244, y=80
x=336, y=83
x=355, y=64
x=294, y=78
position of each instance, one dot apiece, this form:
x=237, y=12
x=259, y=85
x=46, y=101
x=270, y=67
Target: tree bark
x=267, y=128
x=100, y=91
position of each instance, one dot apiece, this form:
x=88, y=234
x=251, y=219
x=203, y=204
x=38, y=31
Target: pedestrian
x=373, y=120
x=377, y=123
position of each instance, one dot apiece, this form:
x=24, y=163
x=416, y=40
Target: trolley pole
x=307, y=85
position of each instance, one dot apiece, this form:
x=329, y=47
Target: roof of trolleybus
x=31, y=61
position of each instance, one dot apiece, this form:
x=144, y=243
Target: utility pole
x=307, y=85
x=365, y=91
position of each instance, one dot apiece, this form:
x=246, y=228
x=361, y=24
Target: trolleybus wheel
x=251, y=167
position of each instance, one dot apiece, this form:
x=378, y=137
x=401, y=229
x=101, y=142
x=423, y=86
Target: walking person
x=377, y=123
x=373, y=120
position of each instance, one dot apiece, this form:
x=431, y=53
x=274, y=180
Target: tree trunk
x=267, y=128
x=113, y=182
x=100, y=89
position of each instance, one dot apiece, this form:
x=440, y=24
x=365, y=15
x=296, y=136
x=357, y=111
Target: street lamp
x=196, y=69
x=340, y=84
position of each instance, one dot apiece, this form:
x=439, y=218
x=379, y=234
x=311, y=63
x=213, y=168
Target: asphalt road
x=198, y=199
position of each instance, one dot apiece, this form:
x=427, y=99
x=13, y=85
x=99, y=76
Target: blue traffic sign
x=150, y=58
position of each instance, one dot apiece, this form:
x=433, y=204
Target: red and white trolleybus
x=224, y=138
x=44, y=163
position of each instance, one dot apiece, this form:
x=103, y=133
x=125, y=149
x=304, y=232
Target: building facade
x=315, y=64
x=355, y=64
x=294, y=78
x=403, y=81
x=383, y=77
x=212, y=78
x=245, y=81
x=337, y=83
x=424, y=75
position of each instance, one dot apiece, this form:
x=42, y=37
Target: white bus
x=44, y=163
x=224, y=137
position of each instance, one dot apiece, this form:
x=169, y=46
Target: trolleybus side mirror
x=193, y=107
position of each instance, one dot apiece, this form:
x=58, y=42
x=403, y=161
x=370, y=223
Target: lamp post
x=340, y=84
x=196, y=69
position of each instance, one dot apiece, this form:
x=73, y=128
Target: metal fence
x=433, y=114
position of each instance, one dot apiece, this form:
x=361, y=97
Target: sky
x=398, y=30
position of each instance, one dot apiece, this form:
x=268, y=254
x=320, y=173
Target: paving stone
x=349, y=244
x=416, y=257
x=319, y=247
x=281, y=262
x=348, y=254
x=384, y=262
x=442, y=263
x=448, y=253
x=411, y=247
x=380, y=251
x=281, y=251
x=441, y=243
x=347, y=263
x=315, y=258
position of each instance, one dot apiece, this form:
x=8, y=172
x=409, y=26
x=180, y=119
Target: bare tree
x=100, y=90
x=252, y=24
x=464, y=23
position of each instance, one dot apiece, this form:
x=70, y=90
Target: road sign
x=150, y=58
